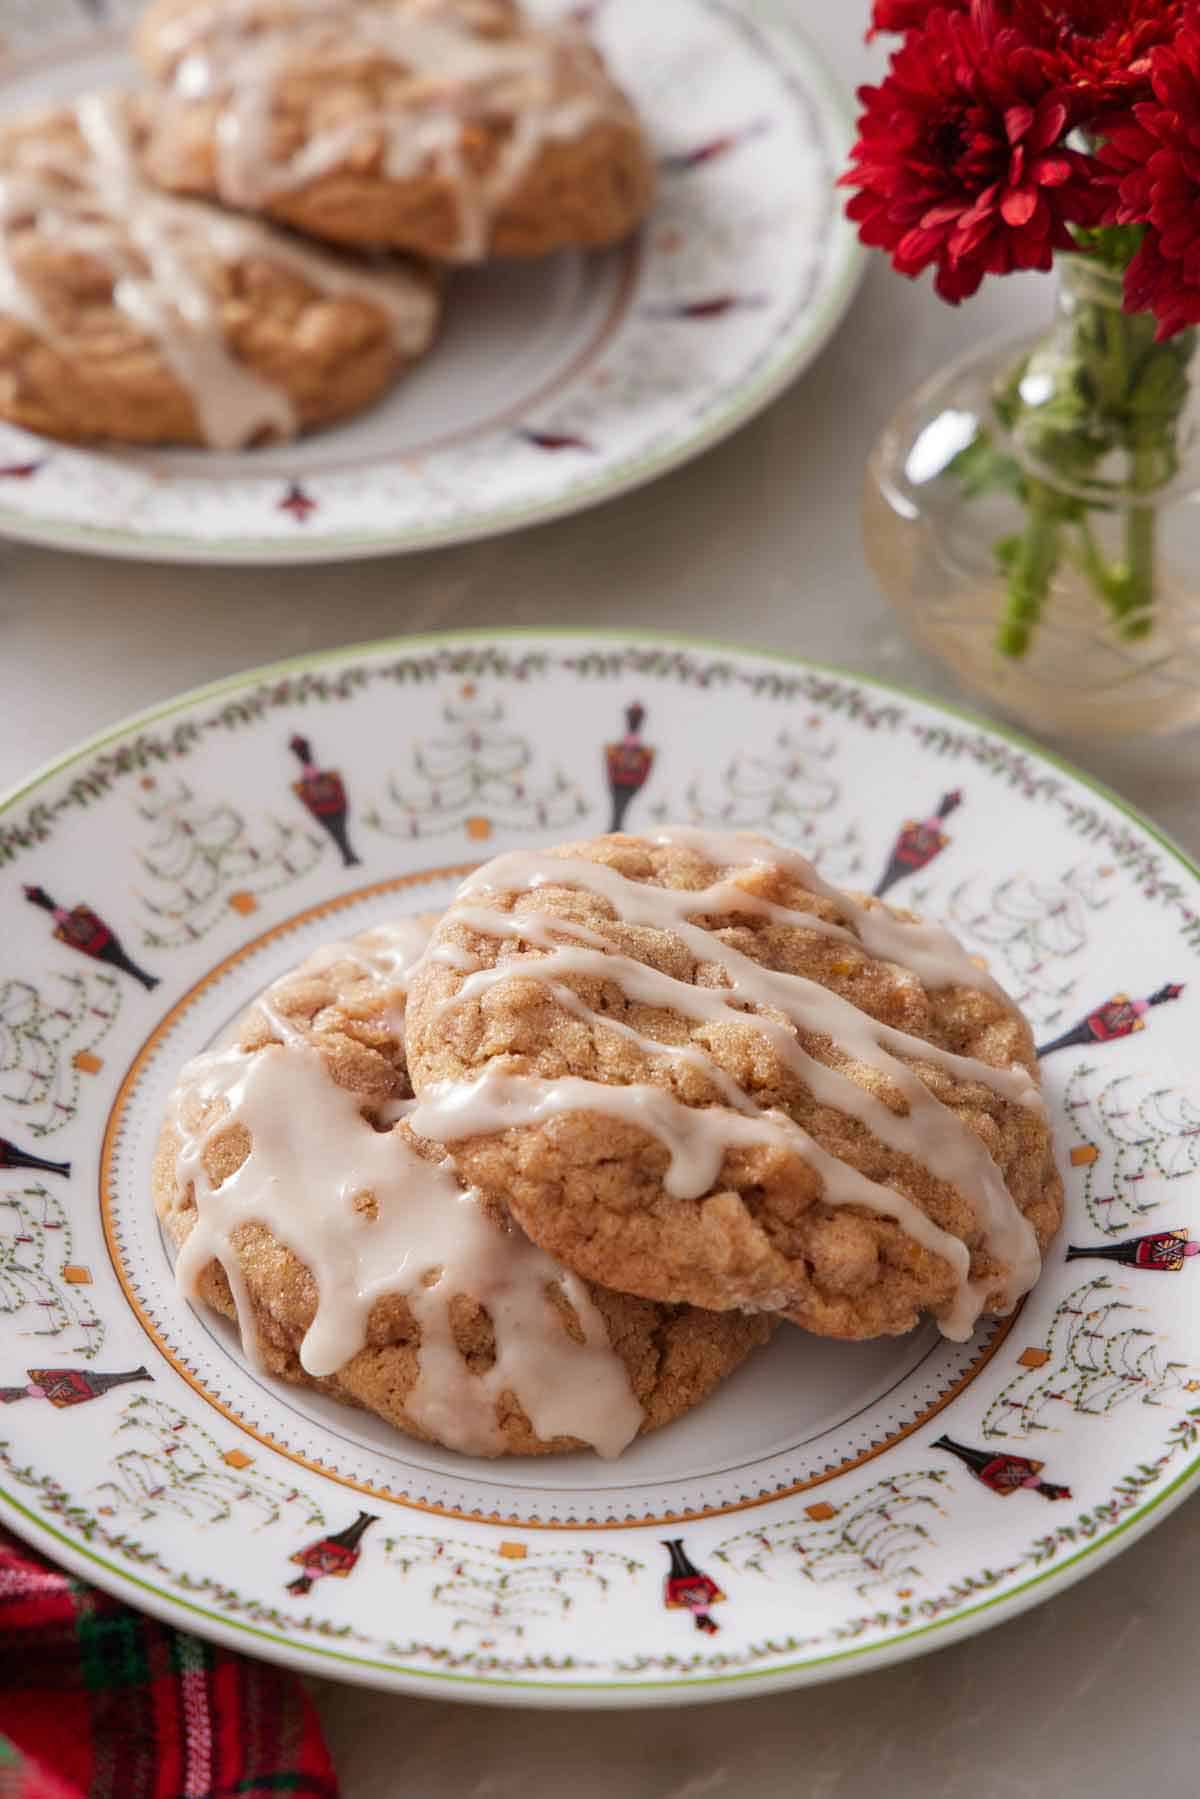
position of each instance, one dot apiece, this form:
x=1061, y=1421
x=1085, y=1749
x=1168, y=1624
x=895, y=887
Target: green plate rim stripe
x=380, y=646
x=1014, y=1603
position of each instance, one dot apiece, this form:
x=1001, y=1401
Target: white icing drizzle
x=385, y=957
x=312, y=1155
x=919, y=946
x=638, y=902
x=930, y=1132
x=447, y=71
x=696, y=1138
x=158, y=250
x=452, y=955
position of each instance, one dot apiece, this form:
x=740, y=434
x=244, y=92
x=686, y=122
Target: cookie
x=456, y=129
x=357, y=1262
x=130, y=315
x=696, y=1071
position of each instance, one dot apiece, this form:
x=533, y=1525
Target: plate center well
x=511, y=335
x=798, y=1412
x=801, y=1397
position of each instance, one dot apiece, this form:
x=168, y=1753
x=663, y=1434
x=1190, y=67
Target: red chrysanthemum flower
x=961, y=161
x=1152, y=162
x=1098, y=48
x=900, y=16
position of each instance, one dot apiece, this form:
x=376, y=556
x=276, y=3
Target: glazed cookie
x=127, y=314
x=697, y=1072
x=455, y=129
x=356, y=1261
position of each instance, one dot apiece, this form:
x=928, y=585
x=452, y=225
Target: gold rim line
x=116, y=1118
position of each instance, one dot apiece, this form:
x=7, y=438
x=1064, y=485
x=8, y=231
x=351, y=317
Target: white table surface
x=1094, y=1692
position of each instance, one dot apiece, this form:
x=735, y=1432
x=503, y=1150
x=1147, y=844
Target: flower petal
x=1018, y=206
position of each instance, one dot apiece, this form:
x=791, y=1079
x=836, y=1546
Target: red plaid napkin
x=98, y=1702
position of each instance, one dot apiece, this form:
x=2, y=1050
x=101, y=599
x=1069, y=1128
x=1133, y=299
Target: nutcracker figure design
x=332, y=1557
x=1163, y=1252
x=65, y=1387
x=686, y=1589
x=1004, y=1474
x=1118, y=1017
x=682, y=162
x=628, y=765
x=12, y=1157
x=323, y=792
x=83, y=930
x=919, y=842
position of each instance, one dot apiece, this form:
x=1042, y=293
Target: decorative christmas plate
x=834, y=1506
x=554, y=385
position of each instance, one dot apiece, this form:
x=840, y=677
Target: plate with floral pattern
x=833, y=1506
x=554, y=385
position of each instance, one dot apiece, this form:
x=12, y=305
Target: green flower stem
x=1089, y=557
x=1135, y=363
x=1126, y=587
x=1032, y=559
x=1136, y=611
x=1087, y=428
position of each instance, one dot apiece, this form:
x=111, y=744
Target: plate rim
x=585, y=1695
x=847, y=267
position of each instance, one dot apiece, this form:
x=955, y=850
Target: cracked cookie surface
x=131, y=316
x=457, y=129
x=434, y=1356
x=685, y=1061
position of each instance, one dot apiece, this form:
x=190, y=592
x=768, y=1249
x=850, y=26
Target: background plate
x=555, y=385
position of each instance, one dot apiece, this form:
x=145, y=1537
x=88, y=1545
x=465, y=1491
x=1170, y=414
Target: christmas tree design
x=1002, y=1473
x=1161, y=1252
x=202, y=863
x=48, y=1043
x=919, y=842
x=42, y=1287
x=68, y=1387
x=627, y=766
x=83, y=930
x=1030, y=931
x=171, y=1468
x=333, y=1557
x=322, y=792
x=1098, y=1355
x=1118, y=1017
x=866, y=1541
x=477, y=777
x=786, y=789
x=501, y=1591
x=687, y=1589
x=1131, y=1138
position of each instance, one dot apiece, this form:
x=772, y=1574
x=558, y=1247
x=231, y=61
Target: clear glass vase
x=1031, y=513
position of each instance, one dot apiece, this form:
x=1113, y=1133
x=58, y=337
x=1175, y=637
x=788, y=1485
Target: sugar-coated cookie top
x=95, y=259
x=296, y=1131
x=299, y=90
x=687, y=1056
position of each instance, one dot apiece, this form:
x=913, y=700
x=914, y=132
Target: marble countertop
x=1094, y=1691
